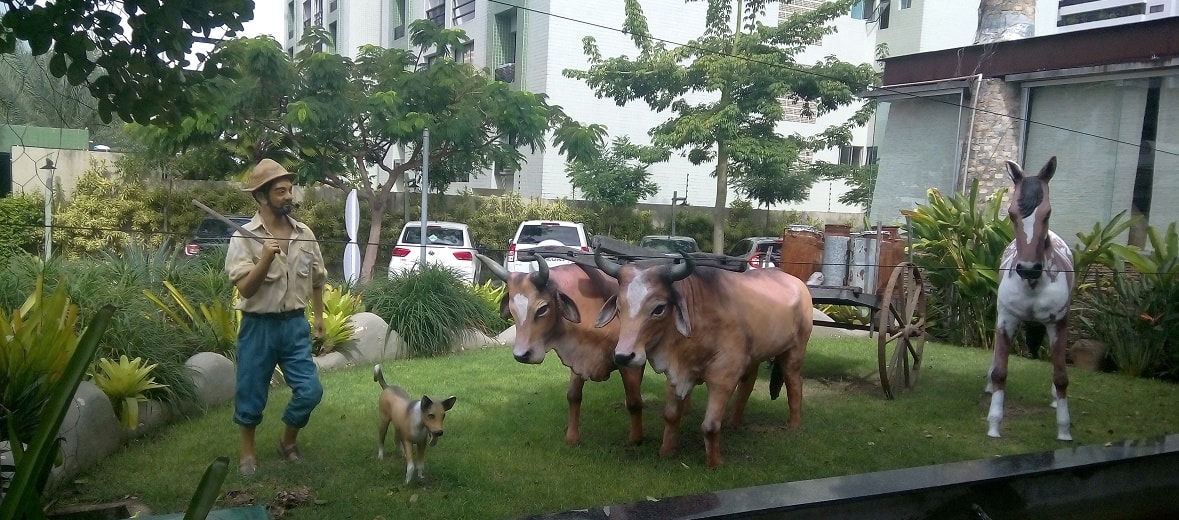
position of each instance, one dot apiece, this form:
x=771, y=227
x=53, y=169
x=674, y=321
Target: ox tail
x=1034, y=334
x=379, y=376
x=776, y=380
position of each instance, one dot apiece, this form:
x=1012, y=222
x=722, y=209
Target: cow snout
x=1029, y=271
x=525, y=357
x=624, y=360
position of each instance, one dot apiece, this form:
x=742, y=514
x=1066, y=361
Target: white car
x=447, y=243
x=535, y=233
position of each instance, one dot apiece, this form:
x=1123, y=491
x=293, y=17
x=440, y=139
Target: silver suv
x=534, y=233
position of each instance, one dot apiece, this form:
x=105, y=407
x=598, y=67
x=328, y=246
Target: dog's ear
x=426, y=402
x=449, y=402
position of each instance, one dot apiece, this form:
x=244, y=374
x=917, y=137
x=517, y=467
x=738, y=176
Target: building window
x=398, y=19
x=885, y=8
x=333, y=6
x=504, y=47
x=464, y=11
x=1102, y=14
x=905, y=4
x=863, y=9
x=466, y=54
x=335, y=49
x=437, y=14
x=291, y=19
x=306, y=13
x=858, y=155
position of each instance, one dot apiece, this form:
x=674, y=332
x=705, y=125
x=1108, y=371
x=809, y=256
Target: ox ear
x=1015, y=172
x=1048, y=170
x=681, y=321
x=569, y=308
x=504, y=312
x=609, y=311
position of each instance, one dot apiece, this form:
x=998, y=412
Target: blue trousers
x=266, y=341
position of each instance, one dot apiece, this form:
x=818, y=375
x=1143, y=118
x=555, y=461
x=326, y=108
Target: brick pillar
x=994, y=135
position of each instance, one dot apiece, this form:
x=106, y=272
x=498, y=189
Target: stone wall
x=994, y=136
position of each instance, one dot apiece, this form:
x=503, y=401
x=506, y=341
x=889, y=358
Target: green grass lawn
x=504, y=454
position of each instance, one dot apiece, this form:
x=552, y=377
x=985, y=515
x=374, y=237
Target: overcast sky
x=268, y=19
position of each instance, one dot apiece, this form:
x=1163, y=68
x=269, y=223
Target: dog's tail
x=378, y=376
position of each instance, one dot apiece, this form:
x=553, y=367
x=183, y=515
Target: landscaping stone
x=372, y=342
x=508, y=336
x=89, y=433
x=472, y=339
x=331, y=361
x=214, y=377
x=152, y=414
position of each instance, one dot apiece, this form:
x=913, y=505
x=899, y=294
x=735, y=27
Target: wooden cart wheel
x=901, y=329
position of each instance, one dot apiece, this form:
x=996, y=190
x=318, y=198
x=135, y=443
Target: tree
x=860, y=179
x=348, y=121
x=749, y=67
x=618, y=177
x=131, y=55
x=29, y=95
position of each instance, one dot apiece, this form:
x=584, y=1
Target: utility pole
x=425, y=190
x=49, y=168
x=676, y=200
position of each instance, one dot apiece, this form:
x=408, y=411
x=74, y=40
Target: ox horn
x=496, y=269
x=681, y=271
x=540, y=278
x=606, y=266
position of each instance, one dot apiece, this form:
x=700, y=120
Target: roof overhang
x=938, y=87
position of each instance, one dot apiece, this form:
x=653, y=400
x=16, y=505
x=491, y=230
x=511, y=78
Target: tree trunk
x=1001, y=20
x=379, y=205
x=722, y=194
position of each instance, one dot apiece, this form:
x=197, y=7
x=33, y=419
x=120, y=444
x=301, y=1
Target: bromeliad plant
x=126, y=384
x=958, y=243
x=491, y=295
x=338, y=307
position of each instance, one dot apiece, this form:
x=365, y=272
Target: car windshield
x=535, y=234
x=435, y=235
x=668, y=245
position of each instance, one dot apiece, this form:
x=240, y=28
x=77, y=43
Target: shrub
x=1135, y=313
x=104, y=213
x=429, y=307
x=958, y=242
x=21, y=224
x=491, y=294
x=338, y=307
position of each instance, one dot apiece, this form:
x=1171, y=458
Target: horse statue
x=1035, y=286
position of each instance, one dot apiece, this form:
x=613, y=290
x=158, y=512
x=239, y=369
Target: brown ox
x=712, y=326
x=546, y=306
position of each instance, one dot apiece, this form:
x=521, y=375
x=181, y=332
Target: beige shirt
x=291, y=276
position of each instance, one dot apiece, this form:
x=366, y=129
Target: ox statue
x=712, y=326
x=1035, y=287
x=546, y=306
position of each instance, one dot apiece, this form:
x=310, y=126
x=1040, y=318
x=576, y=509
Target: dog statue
x=416, y=423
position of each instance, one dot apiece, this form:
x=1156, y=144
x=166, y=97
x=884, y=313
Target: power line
x=824, y=76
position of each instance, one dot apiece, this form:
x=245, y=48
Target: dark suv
x=212, y=233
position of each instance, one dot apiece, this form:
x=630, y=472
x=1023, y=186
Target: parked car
x=212, y=233
x=670, y=245
x=758, y=251
x=534, y=233
x=447, y=243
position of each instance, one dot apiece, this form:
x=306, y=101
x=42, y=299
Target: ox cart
x=866, y=271
x=896, y=306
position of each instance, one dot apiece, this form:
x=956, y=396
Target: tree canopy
x=358, y=124
x=132, y=55
x=749, y=67
x=618, y=176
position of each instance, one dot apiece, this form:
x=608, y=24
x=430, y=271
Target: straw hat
x=267, y=170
